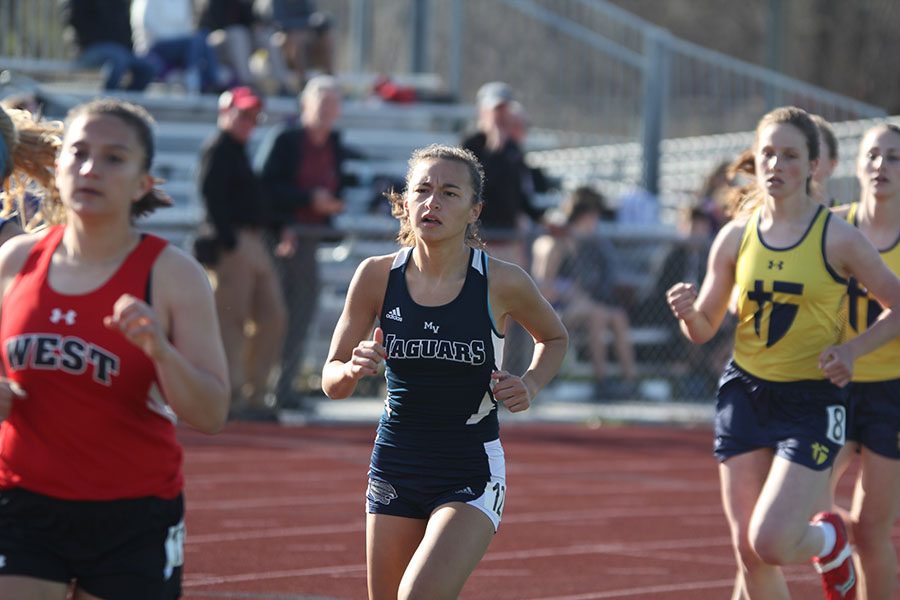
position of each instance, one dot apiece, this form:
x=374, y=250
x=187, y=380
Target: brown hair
x=583, y=200
x=827, y=134
x=406, y=235
x=141, y=122
x=744, y=199
x=32, y=147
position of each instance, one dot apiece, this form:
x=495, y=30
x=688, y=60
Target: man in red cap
x=245, y=282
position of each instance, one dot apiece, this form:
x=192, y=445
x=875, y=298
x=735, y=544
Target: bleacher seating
x=384, y=135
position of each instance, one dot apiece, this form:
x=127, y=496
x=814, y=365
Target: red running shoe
x=838, y=573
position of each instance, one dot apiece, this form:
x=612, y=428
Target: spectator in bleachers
x=828, y=162
x=687, y=261
x=534, y=180
x=247, y=289
x=712, y=197
x=302, y=34
x=101, y=32
x=576, y=270
x=164, y=33
x=302, y=169
x=638, y=207
x=507, y=193
x=243, y=44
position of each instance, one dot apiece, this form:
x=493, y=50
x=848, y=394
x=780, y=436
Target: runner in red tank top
x=108, y=337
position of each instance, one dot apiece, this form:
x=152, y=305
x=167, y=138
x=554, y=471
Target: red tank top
x=94, y=425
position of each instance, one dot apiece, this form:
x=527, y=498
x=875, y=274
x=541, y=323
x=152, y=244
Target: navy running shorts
x=116, y=550
x=417, y=497
x=804, y=422
x=875, y=416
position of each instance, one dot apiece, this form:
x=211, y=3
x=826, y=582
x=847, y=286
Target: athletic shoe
x=836, y=569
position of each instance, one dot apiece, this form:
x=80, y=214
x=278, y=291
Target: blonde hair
x=32, y=146
x=406, y=236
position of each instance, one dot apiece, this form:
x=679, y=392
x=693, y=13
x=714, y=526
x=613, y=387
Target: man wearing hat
x=507, y=178
x=245, y=282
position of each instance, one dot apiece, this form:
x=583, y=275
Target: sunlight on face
x=782, y=160
x=101, y=166
x=878, y=164
x=439, y=198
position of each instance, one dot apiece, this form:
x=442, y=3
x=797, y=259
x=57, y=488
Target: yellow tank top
x=790, y=304
x=883, y=363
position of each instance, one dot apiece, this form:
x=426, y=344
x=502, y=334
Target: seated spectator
x=301, y=33
x=712, y=197
x=575, y=269
x=164, y=33
x=101, y=32
x=687, y=261
x=638, y=207
x=243, y=45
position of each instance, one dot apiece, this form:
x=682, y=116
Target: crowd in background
x=247, y=50
x=208, y=48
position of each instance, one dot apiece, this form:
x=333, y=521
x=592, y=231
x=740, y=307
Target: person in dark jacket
x=101, y=32
x=246, y=284
x=302, y=169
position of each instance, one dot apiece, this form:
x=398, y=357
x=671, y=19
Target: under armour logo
x=776, y=264
x=432, y=326
x=57, y=315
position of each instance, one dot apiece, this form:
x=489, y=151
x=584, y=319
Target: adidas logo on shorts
x=394, y=314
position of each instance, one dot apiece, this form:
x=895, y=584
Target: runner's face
x=782, y=160
x=439, y=199
x=101, y=166
x=878, y=165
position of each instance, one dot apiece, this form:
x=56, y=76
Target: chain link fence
x=623, y=273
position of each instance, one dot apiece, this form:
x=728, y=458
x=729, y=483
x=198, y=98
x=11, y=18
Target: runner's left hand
x=511, y=391
x=138, y=322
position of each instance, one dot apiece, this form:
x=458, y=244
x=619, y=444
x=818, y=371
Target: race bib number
x=837, y=424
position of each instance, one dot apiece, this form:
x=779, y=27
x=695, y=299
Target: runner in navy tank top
x=437, y=480
x=108, y=336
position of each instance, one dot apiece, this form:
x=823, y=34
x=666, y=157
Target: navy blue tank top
x=438, y=368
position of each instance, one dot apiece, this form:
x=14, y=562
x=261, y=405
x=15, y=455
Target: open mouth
x=430, y=220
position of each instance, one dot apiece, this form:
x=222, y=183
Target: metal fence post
x=419, y=62
x=360, y=33
x=655, y=96
x=456, y=44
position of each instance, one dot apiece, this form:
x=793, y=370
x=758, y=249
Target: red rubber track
x=277, y=513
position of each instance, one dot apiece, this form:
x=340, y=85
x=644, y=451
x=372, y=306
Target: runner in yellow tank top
x=875, y=393
x=780, y=417
x=788, y=304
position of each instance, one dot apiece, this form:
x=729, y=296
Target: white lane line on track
x=530, y=518
x=241, y=504
x=639, y=550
